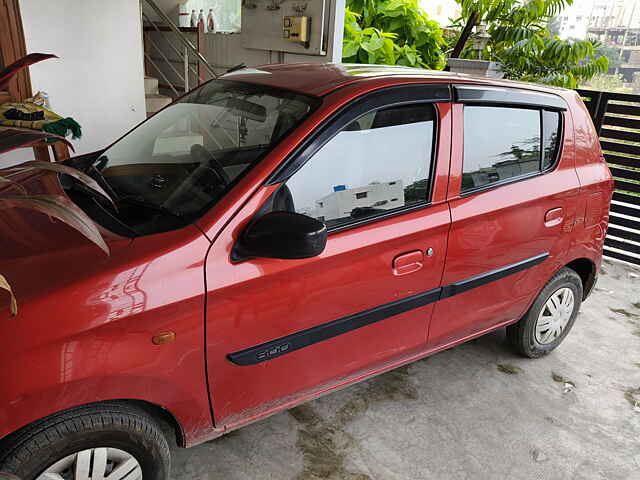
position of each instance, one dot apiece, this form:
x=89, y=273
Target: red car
x=282, y=232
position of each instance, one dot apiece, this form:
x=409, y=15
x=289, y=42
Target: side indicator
x=163, y=338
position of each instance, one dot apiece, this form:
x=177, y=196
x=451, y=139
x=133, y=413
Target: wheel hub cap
x=554, y=316
x=95, y=464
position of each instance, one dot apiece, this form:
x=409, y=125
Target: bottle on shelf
x=194, y=18
x=211, y=23
x=201, y=18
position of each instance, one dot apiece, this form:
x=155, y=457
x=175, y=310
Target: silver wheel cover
x=95, y=464
x=554, y=316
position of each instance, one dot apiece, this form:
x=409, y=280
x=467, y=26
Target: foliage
x=553, y=25
x=55, y=206
x=9, y=72
x=392, y=32
x=612, y=53
x=608, y=83
x=521, y=42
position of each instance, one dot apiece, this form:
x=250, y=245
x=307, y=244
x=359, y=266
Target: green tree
x=612, y=53
x=554, y=26
x=522, y=43
x=392, y=32
x=608, y=83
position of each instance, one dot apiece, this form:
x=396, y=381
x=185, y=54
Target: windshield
x=178, y=164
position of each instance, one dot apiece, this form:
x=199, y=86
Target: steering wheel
x=209, y=162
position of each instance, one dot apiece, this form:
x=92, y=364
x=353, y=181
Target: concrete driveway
x=476, y=411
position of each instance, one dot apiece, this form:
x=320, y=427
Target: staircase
x=154, y=100
x=175, y=60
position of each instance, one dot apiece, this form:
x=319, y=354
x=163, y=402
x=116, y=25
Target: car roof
x=320, y=79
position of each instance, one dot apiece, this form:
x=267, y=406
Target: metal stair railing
x=188, y=49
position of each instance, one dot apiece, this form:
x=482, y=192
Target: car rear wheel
x=551, y=316
x=112, y=441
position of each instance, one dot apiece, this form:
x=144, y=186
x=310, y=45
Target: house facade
x=100, y=79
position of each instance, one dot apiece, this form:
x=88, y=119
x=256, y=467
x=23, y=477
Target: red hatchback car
x=281, y=232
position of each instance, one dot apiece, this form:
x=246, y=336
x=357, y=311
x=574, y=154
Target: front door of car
x=280, y=330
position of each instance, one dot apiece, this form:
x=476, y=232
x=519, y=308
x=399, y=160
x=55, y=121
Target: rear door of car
x=280, y=330
x=513, y=196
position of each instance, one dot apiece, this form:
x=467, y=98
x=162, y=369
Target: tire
x=523, y=336
x=122, y=428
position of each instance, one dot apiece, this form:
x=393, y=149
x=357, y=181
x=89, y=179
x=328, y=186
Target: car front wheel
x=551, y=316
x=111, y=441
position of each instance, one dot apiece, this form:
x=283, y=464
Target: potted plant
x=56, y=206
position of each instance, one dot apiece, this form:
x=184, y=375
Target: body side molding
x=295, y=341
x=491, y=276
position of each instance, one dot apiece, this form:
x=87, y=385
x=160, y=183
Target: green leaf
x=403, y=23
x=350, y=49
x=389, y=56
x=373, y=45
x=521, y=42
x=396, y=24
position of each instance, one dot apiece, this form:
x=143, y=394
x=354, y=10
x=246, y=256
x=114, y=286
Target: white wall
x=227, y=50
x=99, y=78
x=225, y=12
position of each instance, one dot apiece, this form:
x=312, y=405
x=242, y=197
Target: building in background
x=620, y=27
x=346, y=202
x=576, y=19
x=615, y=23
x=588, y=17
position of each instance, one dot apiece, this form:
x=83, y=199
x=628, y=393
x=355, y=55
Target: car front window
x=178, y=164
x=378, y=164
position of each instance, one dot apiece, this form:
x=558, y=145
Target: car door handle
x=553, y=217
x=408, y=262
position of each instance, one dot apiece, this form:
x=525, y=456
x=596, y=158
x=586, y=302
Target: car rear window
x=551, y=127
x=504, y=143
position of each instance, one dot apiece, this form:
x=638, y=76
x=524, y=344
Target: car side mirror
x=284, y=235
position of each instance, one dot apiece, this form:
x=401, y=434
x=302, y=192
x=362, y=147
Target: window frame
x=518, y=178
x=388, y=97
x=13, y=48
x=557, y=152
